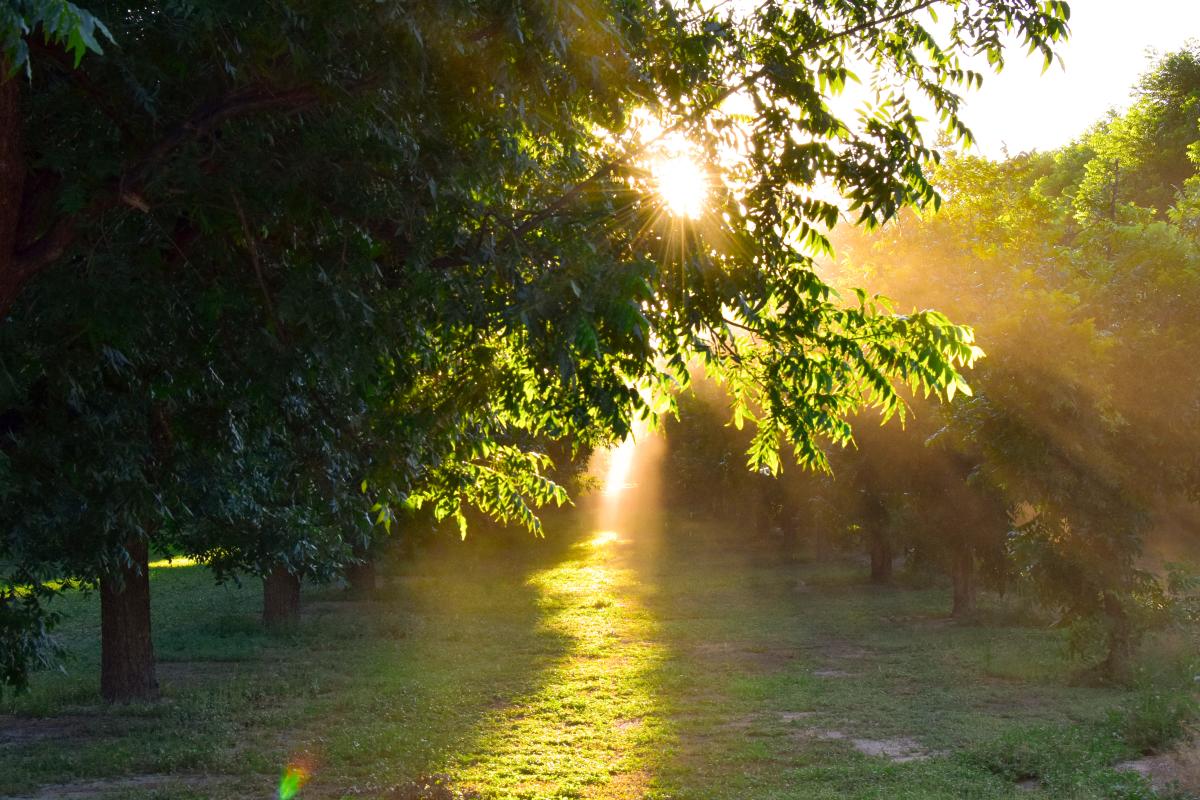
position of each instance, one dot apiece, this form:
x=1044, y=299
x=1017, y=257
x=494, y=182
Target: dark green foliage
x=54, y=22
x=25, y=641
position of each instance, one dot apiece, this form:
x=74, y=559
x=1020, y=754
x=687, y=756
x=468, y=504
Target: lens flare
x=293, y=780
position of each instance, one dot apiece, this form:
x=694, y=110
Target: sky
x=1023, y=109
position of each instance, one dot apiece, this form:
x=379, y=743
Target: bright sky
x=1023, y=109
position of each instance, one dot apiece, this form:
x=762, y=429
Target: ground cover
x=666, y=660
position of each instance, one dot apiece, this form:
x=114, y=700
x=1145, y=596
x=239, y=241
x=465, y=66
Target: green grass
x=664, y=665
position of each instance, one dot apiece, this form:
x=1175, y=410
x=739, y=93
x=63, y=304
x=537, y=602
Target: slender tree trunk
x=963, y=576
x=12, y=182
x=126, y=649
x=281, y=597
x=788, y=539
x=822, y=539
x=881, y=556
x=1117, y=661
x=361, y=577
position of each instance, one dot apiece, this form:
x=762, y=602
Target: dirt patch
x=795, y=716
x=94, y=790
x=623, y=786
x=1148, y=766
x=899, y=750
x=1187, y=765
x=844, y=651
x=19, y=730
x=628, y=724
x=832, y=673
x=429, y=787
x=1179, y=768
x=763, y=658
x=707, y=727
x=16, y=731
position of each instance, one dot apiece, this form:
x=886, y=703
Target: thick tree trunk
x=12, y=182
x=281, y=597
x=963, y=576
x=881, y=557
x=361, y=577
x=126, y=650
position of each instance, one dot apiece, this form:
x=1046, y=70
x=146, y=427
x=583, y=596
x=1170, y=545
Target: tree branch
x=28, y=261
x=252, y=248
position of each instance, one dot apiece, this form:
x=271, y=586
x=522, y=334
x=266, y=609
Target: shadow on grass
x=371, y=694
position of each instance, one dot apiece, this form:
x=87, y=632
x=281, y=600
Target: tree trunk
x=1117, y=661
x=788, y=539
x=881, y=557
x=126, y=650
x=963, y=576
x=12, y=182
x=281, y=597
x=361, y=577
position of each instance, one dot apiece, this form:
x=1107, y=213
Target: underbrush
x=1081, y=761
x=1154, y=719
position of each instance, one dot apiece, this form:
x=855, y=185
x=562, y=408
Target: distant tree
x=1135, y=162
x=1080, y=417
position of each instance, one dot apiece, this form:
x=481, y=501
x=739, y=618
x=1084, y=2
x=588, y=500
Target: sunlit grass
x=594, y=724
x=604, y=538
x=173, y=561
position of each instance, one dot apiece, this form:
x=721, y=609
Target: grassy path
x=593, y=724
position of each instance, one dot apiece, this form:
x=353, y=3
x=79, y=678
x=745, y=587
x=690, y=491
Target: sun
x=681, y=183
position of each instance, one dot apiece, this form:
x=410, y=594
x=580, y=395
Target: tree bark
x=881, y=557
x=281, y=597
x=126, y=649
x=12, y=184
x=963, y=577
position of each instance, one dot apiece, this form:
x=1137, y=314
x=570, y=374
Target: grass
x=687, y=665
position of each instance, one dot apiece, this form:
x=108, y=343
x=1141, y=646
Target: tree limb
x=25, y=263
